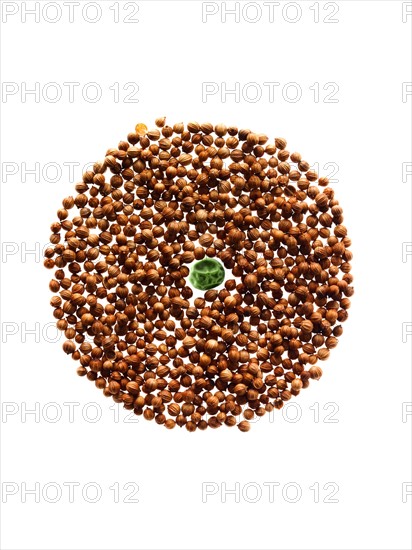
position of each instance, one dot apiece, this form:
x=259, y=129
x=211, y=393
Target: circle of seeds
x=171, y=196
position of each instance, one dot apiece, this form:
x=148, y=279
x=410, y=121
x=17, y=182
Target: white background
x=366, y=452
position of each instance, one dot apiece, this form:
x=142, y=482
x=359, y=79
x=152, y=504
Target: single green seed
x=207, y=274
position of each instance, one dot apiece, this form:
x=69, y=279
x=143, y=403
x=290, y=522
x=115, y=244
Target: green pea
x=207, y=274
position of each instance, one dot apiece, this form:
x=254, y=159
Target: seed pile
x=171, y=196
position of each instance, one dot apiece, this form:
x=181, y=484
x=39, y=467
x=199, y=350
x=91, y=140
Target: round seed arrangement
x=143, y=220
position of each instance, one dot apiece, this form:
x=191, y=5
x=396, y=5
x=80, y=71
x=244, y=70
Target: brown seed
x=297, y=384
x=306, y=326
x=193, y=127
x=69, y=347
x=114, y=387
x=280, y=143
x=315, y=372
x=160, y=122
x=189, y=342
x=206, y=240
x=244, y=426
x=173, y=409
x=201, y=215
x=211, y=346
x=251, y=281
x=133, y=388
x=226, y=375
